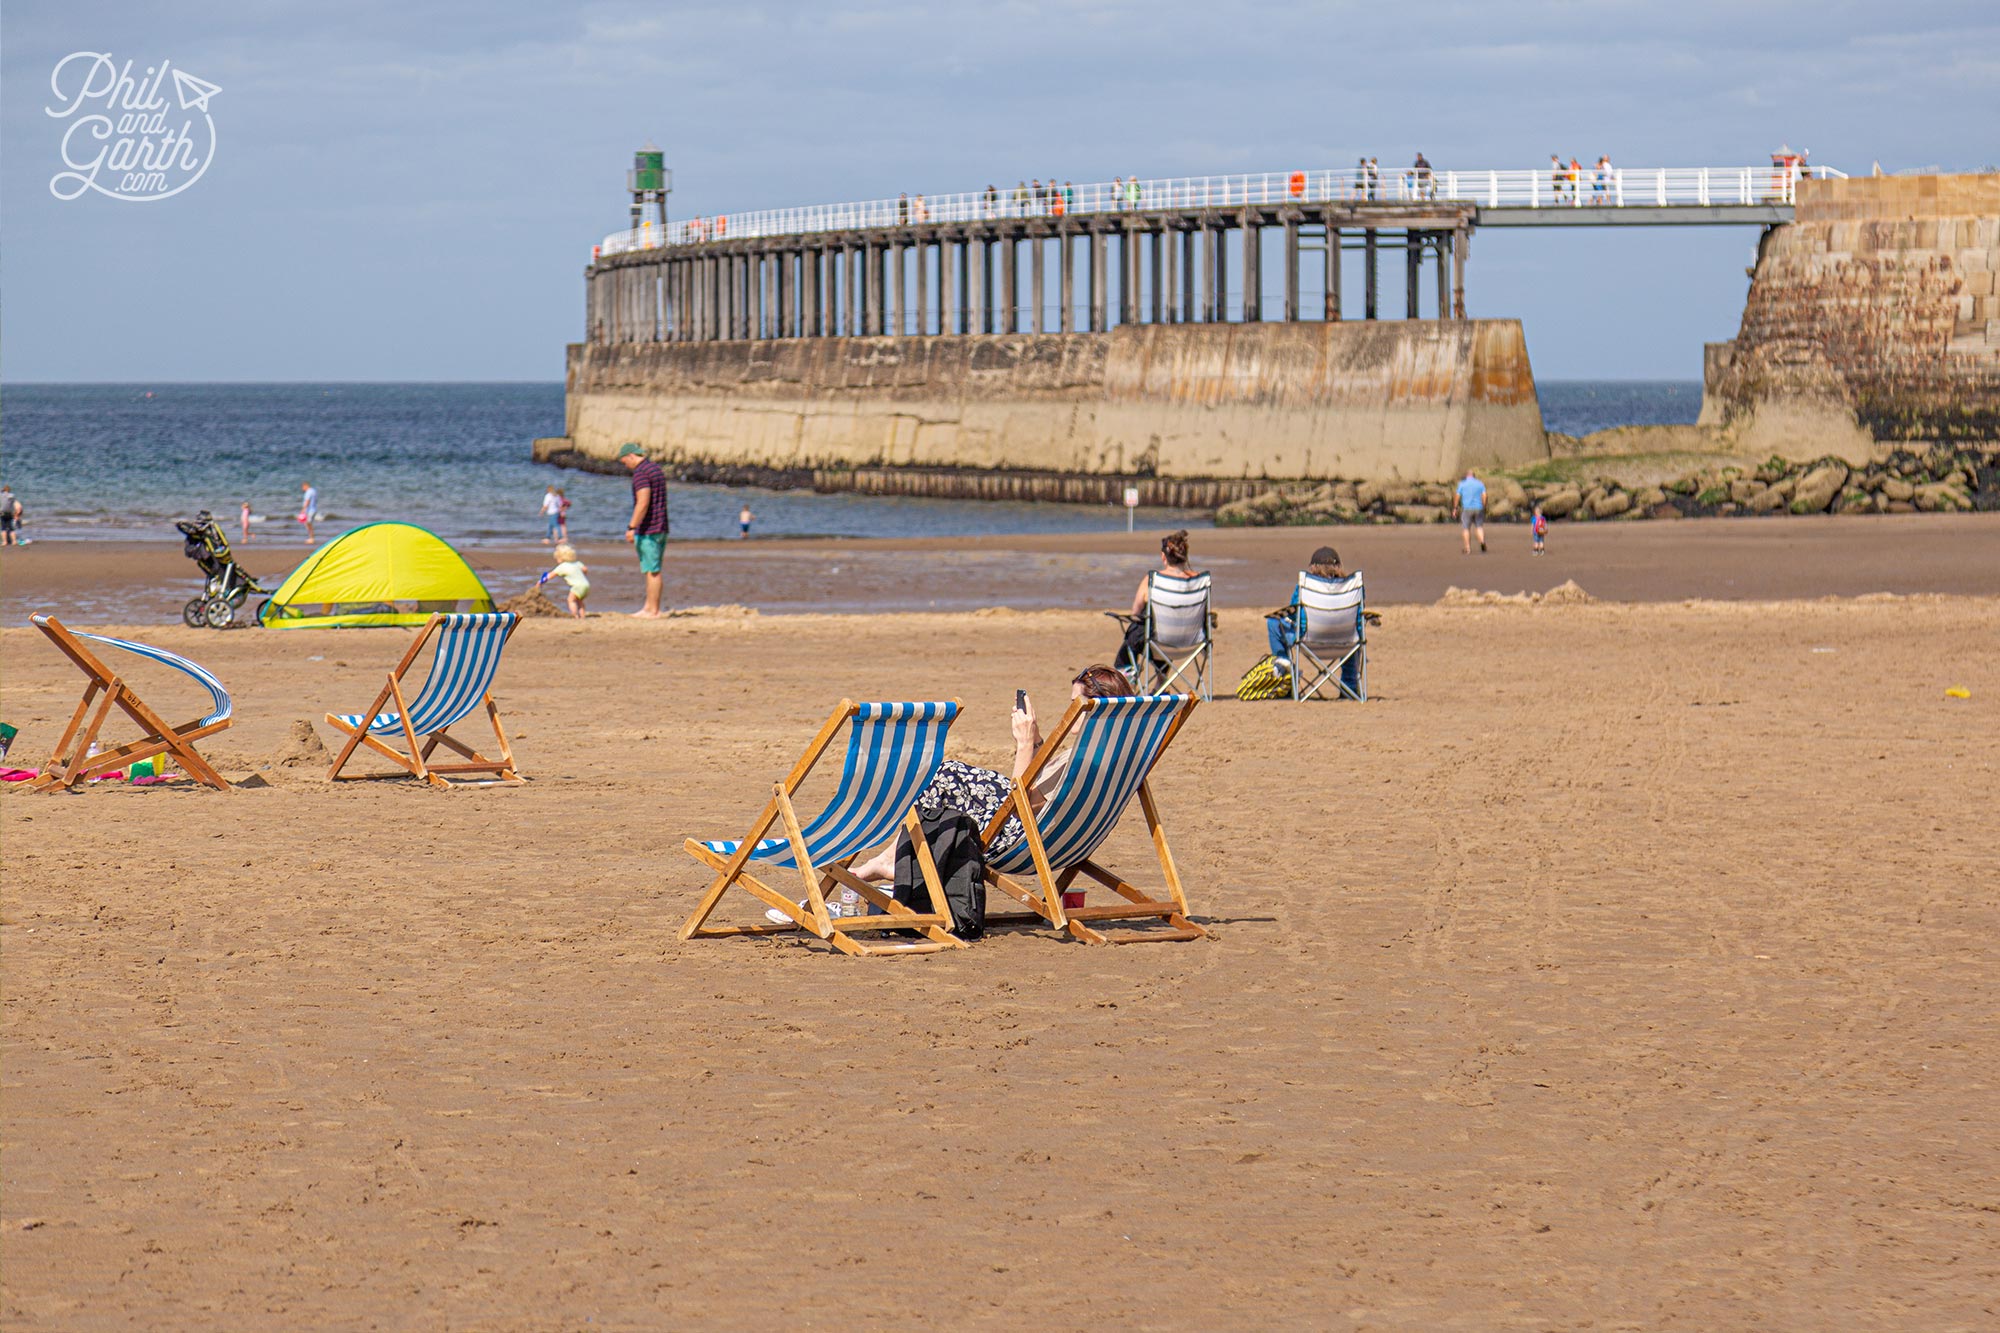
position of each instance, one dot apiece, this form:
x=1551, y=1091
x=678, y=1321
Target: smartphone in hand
x=1020, y=701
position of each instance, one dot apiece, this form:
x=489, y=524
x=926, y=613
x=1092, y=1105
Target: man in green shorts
x=648, y=529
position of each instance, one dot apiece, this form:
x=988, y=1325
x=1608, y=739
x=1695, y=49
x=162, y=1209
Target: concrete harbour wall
x=1188, y=410
x=1872, y=318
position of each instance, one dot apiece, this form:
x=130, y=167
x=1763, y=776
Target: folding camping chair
x=1177, y=641
x=1118, y=744
x=469, y=645
x=893, y=749
x=1328, y=630
x=72, y=763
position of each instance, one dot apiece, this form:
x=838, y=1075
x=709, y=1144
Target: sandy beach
x=1619, y=965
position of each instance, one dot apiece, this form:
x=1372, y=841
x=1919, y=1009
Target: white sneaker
x=777, y=918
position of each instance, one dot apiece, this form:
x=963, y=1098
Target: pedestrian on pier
x=923, y=210
x=1131, y=191
x=1118, y=192
x=903, y=210
x=1041, y=196
x=1374, y=178
x=990, y=200
x=1575, y=181
x=1069, y=196
x=1021, y=199
x=1556, y=177
x=1600, y=187
x=1420, y=172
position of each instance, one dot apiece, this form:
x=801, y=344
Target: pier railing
x=1542, y=187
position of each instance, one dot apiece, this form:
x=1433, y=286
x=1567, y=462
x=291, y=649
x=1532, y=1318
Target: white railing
x=1542, y=187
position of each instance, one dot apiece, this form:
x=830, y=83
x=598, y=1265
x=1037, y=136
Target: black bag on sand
x=961, y=863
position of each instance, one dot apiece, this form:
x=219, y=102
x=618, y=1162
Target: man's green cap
x=627, y=450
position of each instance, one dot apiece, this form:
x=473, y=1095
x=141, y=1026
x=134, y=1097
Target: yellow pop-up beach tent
x=378, y=574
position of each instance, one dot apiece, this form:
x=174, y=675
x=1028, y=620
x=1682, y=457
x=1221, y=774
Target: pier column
x=960, y=284
x=1167, y=308
x=1413, y=272
x=1187, y=276
x=764, y=311
x=1160, y=244
x=1333, y=243
x=1211, y=270
x=899, y=259
x=1461, y=238
x=978, y=288
x=1291, y=268
x=1253, y=270
x=719, y=297
x=1066, y=281
x=1037, y=260
x=1440, y=242
x=883, y=253
x=1010, y=287
x=1128, y=275
x=1098, y=296
x=1373, y=275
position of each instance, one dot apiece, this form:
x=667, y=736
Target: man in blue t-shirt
x=1471, y=507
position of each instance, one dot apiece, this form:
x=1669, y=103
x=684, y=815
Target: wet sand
x=1618, y=966
x=146, y=582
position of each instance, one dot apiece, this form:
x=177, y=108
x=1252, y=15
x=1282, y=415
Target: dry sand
x=1617, y=967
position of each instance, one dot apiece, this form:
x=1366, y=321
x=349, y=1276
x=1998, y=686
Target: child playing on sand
x=573, y=572
x=1540, y=523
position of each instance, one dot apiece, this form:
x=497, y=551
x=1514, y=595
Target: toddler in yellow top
x=573, y=572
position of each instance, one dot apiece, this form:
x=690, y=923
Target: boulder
x=1768, y=501
x=1648, y=496
x=1900, y=507
x=1399, y=493
x=1418, y=513
x=1513, y=492
x=1500, y=507
x=1898, y=489
x=1813, y=492
x=1665, y=511
x=1610, y=505
x=1366, y=493
x=1237, y=514
x=1561, y=504
x=1741, y=491
x=1941, y=497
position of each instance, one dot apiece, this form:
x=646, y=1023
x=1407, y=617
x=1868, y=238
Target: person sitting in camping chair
x=1173, y=566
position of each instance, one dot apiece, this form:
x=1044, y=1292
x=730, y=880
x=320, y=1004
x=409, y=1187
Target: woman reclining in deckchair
x=980, y=792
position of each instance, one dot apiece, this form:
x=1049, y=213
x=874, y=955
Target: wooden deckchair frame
x=934, y=925
x=71, y=763
x=1044, y=898
x=417, y=761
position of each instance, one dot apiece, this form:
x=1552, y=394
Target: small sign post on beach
x=1131, y=503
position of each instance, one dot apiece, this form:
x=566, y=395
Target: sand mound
x=1566, y=593
x=531, y=603
x=302, y=749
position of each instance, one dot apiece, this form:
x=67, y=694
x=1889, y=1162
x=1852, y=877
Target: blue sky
x=410, y=190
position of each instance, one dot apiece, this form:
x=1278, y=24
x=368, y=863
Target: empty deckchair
x=72, y=763
x=1329, y=632
x=1177, y=638
x=1118, y=744
x=893, y=749
x=468, y=652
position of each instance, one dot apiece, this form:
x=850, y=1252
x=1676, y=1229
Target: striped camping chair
x=893, y=750
x=72, y=763
x=469, y=645
x=1177, y=639
x=1117, y=744
x=1329, y=633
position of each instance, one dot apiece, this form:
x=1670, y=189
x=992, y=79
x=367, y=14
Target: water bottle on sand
x=850, y=903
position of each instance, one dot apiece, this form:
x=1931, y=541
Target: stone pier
x=1067, y=415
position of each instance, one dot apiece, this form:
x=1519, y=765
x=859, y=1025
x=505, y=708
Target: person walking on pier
x=1069, y=196
x=990, y=201
x=1469, y=508
x=1020, y=199
x=1420, y=175
x=1600, y=188
x=903, y=209
x=1556, y=177
x=923, y=210
x=648, y=529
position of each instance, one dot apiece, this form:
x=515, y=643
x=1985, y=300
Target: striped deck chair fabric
x=1118, y=744
x=1177, y=638
x=72, y=763
x=469, y=648
x=1331, y=644
x=893, y=751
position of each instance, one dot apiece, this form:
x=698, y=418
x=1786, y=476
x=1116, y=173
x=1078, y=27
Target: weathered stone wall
x=1413, y=399
x=1872, y=318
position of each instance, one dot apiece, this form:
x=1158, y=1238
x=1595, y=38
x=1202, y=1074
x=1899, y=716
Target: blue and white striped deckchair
x=469, y=645
x=893, y=749
x=72, y=763
x=1118, y=743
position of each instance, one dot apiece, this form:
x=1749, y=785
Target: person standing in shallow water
x=743, y=520
x=308, y=508
x=648, y=529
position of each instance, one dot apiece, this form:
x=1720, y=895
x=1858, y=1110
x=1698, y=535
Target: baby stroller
x=228, y=585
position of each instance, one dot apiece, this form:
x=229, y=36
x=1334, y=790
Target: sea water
x=104, y=460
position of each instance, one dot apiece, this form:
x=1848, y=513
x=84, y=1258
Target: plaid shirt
x=648, y=477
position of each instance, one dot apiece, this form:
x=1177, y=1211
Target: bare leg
x=655, y=584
